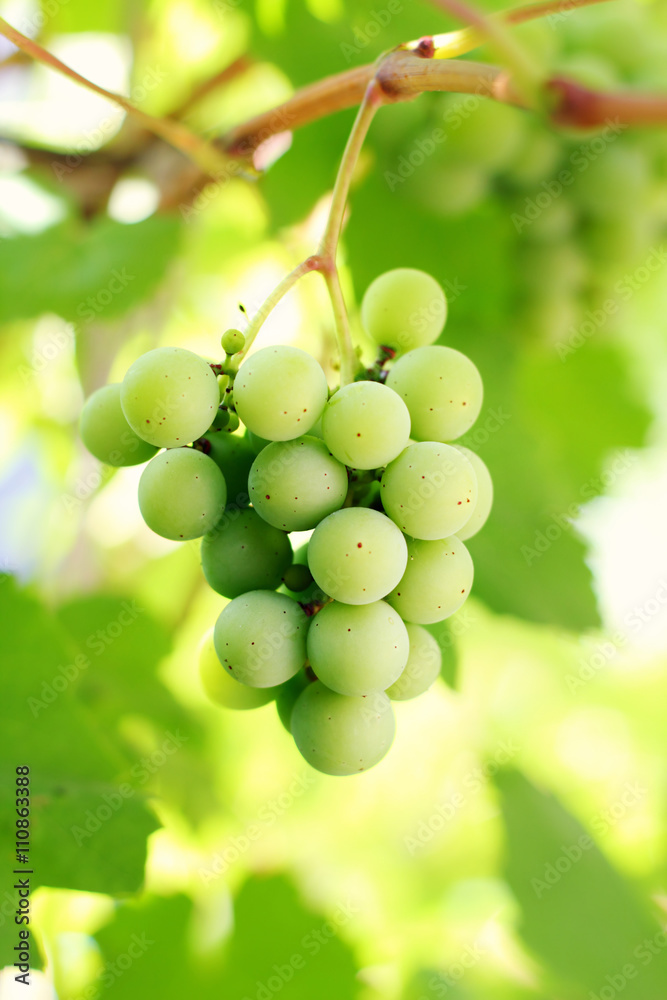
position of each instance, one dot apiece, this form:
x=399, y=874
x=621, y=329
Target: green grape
x=429, y=490
x=297, y=578
x=221, y=419
x=404, y=308
x=280, y=393
x=107, y=434
x=537, y=159
x=170, y=396
x=357, y=555
x=423, y=666
x=312, y=593
x=484, y=502
x=256, y=442
x=441, y=388
x=488, y=135
x=356, y=650
x=611, y=184
x=365, y=425
x=260, y=638
x=222, y=688
x=294, y=484
x=436, y=582
x=287, y=696
x=244, y=553
x=340, y=735
x=233, y=341
x=182, y=494
x=234, y=456
x=454, y=188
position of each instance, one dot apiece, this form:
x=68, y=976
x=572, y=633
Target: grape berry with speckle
x=258, y=447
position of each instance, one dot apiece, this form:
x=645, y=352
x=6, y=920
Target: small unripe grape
x=233, y=341
x=221, y=418
x=298, y=578
x=107, y=434
x=404, y=308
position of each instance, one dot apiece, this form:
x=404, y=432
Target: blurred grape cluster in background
x=511, y=847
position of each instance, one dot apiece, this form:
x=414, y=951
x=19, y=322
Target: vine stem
x=324, y=260
x=208, y=158
x=374, y=98
x=306, y=266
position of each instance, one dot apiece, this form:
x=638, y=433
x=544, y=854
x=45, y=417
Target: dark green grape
x=244, y=553
x=234, y=456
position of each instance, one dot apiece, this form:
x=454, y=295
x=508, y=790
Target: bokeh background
x=511, y=846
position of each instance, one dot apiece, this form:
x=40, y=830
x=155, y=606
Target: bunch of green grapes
x=252, y=452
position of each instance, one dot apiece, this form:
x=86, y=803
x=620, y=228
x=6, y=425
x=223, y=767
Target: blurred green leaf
x=78, y=15
x=277, y=946
x=580, y=916
x=85, y=272
x=125, y=645
x=277, y=938
x=547, y=426
x=85, y=832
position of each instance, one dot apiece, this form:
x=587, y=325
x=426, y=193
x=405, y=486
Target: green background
x=511, y=846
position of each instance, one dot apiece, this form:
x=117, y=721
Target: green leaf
x=277, y=945
x=547, y=426
x=277, y=938
x=124, y=645
x=582, y=918
x=85, y=272
x=88, y=829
